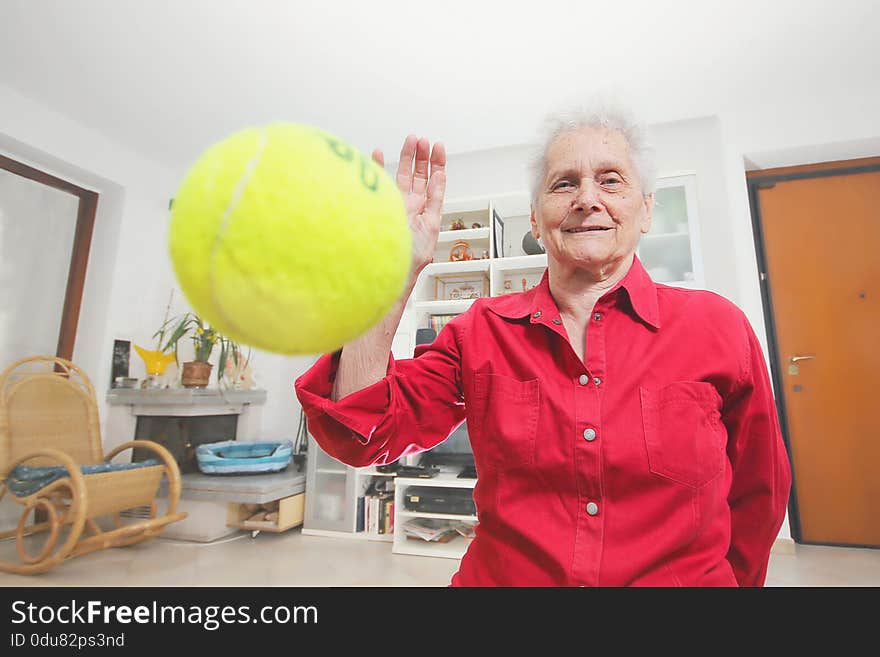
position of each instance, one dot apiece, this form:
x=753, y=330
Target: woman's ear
x=645, y=224
x=536, y=232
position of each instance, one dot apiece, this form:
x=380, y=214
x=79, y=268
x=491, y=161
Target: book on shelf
x=439, y=321
x=389, y=529
x=359, y=521
x=380, y=523
x=373, y=527
x=374, y=501
x=378, y=513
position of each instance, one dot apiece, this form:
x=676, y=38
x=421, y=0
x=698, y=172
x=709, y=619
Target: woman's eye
x=611, y=180
x=562, y=184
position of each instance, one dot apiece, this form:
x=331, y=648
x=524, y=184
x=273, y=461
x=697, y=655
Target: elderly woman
x=624, y=432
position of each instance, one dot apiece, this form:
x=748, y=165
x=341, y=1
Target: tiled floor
x=291, y=559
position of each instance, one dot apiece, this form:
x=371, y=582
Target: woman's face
x=590, y=209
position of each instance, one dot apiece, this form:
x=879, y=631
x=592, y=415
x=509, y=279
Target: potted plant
x=197, y=373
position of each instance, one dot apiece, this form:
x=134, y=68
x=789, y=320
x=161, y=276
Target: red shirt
x=658, y=461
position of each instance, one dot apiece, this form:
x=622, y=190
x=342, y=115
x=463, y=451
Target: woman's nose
x=587, y=198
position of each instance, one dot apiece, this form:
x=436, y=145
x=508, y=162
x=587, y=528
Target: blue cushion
x=28, y=479
x=241, y=457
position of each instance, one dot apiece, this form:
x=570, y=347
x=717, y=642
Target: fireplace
x=182, y=435
x=182, y=419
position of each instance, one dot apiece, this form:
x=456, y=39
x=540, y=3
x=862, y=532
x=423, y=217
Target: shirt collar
x=540, y=305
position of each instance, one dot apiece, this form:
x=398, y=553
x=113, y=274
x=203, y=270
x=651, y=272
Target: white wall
x=799, y=131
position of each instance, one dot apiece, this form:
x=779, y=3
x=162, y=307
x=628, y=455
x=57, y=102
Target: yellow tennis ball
x=285, y=238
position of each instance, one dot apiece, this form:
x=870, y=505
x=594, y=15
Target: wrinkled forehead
x=589, y=149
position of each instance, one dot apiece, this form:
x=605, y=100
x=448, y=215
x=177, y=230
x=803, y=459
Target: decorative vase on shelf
x=530, y=245
x=196, y=374
x=155, y=362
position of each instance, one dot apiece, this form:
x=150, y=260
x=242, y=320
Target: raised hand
x=421, y=178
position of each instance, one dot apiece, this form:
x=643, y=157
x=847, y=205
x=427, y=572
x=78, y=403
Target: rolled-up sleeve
x=413, y=408
x=761, y=474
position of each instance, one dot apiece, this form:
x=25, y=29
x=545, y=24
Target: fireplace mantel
x=186, y=401
x=125, y=405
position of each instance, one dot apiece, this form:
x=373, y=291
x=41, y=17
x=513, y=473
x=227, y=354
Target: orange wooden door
x=822, y=247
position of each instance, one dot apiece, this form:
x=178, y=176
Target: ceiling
x=168, y=78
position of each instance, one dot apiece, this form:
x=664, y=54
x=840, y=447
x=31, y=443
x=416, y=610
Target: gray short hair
x=602, y=114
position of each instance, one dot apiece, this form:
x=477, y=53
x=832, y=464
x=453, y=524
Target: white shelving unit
x=497, y=256
x=331, y=502
x=455, y=548
x=671, y=251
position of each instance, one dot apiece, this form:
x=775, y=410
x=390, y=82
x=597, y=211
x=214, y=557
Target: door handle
x=794, y=359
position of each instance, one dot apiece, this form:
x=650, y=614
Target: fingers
x=420, y=174
x=378, y=157
x=404, y=166
x=438, y=157
x=418, y=163
x=436, y=191
x=437, y=184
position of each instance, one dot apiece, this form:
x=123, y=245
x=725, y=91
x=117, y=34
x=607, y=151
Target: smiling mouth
x=589, y=229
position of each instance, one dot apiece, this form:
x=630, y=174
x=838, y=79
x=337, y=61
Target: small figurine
x=476, y=224
x=508, y=287
x=458, y=224
x=524, y=284
x=466, y=291
x=460, y=251
x=239, y=377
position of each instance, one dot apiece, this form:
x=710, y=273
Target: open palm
x=421, y=178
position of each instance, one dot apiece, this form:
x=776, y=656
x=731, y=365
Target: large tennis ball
x=285, y=238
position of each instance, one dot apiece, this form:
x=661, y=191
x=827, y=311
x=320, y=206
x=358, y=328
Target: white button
x=597, y=316
x=592, y=508
x=597, y=380
x=584, y=380
x=590, y=434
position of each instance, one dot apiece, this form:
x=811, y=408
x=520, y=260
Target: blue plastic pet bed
x=240, y=457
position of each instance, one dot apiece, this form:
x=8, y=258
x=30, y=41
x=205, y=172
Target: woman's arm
x=421, y=178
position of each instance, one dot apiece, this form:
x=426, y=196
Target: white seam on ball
x=224, y=224
x=239, y=189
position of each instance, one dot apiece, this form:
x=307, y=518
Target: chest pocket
x=684, y=436
x=507, y=412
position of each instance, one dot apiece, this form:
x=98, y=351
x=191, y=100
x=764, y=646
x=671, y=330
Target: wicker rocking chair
x=51, y=463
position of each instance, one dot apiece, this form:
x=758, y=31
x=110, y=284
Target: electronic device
x=468, y=472
x=425, y=336
x=417, y=471
x=452, y=454
x=436, y=499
